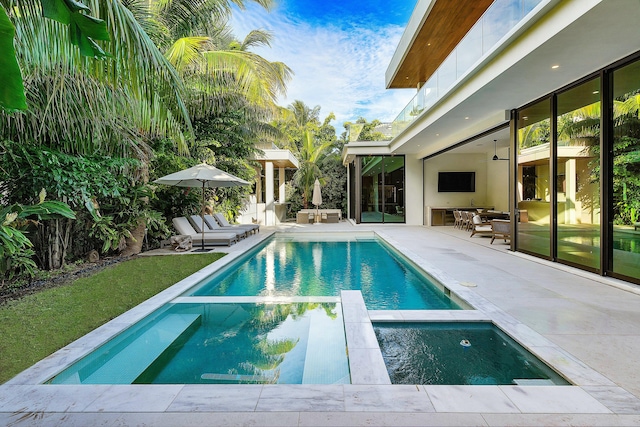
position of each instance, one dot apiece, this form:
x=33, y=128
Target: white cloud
x=341, y=69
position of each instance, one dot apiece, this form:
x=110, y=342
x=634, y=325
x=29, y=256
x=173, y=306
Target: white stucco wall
x=455, y=163
x=413, y=191
x=498, y=181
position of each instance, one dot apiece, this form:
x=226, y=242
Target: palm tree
x=229, y=71
x=310, y=155
x=303, y=114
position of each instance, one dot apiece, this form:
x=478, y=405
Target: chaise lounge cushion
x=196, y=222
x=222, y=221
x=183, y=227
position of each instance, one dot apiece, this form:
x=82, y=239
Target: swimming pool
x=286, y=266
x=229, y=329
x=301, y=343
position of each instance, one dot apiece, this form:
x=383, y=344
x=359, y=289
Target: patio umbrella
x=317, y=196
x=202, y=175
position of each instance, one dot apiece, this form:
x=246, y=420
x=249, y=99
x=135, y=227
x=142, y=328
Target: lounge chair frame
x=480, y=227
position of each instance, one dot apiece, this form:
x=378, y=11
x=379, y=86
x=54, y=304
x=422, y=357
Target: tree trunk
x=55, y=252
x=53, y=240
x=134, y=243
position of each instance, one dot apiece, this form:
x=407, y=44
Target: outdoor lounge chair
x=196, y=222
x=500, y=228
x=222, y=221
x=479, y=227
x=214, y=238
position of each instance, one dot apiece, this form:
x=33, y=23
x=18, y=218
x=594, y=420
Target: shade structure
x=317, y=196
x=205, y=176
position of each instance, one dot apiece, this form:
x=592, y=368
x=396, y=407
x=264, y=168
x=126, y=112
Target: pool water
x=458, y=354
x=286, y=267
x=300, y=343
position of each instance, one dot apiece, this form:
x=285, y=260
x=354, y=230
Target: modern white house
x=268, y=205
x=529, y=107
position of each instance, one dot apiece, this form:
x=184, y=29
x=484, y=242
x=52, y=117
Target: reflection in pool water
x=300, y=343
x=290, y=268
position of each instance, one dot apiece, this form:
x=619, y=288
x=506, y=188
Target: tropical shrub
x=16, y=253
x=109, y=195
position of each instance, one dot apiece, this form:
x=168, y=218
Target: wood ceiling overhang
x=447, y=23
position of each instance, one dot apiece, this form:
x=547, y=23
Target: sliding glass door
x=626, y=171
x=578, y=164
x=577, y=175
x=382, y=189
x=534, y=180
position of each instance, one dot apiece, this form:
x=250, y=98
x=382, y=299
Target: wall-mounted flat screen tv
x=456, y=182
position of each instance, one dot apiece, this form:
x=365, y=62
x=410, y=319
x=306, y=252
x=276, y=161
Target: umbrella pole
x=202, y=216
x=202, y=249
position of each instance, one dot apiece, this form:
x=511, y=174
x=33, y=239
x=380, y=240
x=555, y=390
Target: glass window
x=626, y=171
x=577, y=175
x=534, y=189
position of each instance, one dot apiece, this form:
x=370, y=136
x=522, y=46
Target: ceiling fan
x=495, y=151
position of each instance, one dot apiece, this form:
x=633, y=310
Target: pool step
x=128, y=364
x=325, y=361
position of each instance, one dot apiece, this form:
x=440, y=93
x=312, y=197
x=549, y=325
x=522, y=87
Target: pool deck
x=587, y=327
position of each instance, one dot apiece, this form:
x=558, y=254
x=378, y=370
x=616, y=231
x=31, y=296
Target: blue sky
x=338, y=50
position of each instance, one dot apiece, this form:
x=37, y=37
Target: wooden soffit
x=447, y=23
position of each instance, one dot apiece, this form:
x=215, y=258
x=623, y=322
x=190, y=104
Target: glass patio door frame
x=553, y=175
x=380, y=199
x=606, y=178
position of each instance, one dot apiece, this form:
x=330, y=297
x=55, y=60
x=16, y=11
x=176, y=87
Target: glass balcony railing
x=497, y=21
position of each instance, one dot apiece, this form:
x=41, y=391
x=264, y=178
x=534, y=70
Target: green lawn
x=37, y=325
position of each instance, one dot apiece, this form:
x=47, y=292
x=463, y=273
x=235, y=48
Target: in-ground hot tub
x=459, y=353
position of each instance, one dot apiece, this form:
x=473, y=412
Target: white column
x=281, y=196
x=270, y=216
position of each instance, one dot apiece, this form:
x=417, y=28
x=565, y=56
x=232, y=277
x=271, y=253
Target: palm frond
x=256, y=38
x=136, y=68
x=186, y=52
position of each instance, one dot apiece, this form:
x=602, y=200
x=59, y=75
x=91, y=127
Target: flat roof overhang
x=434, y=30
x=364, y=148
x=279, y=158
